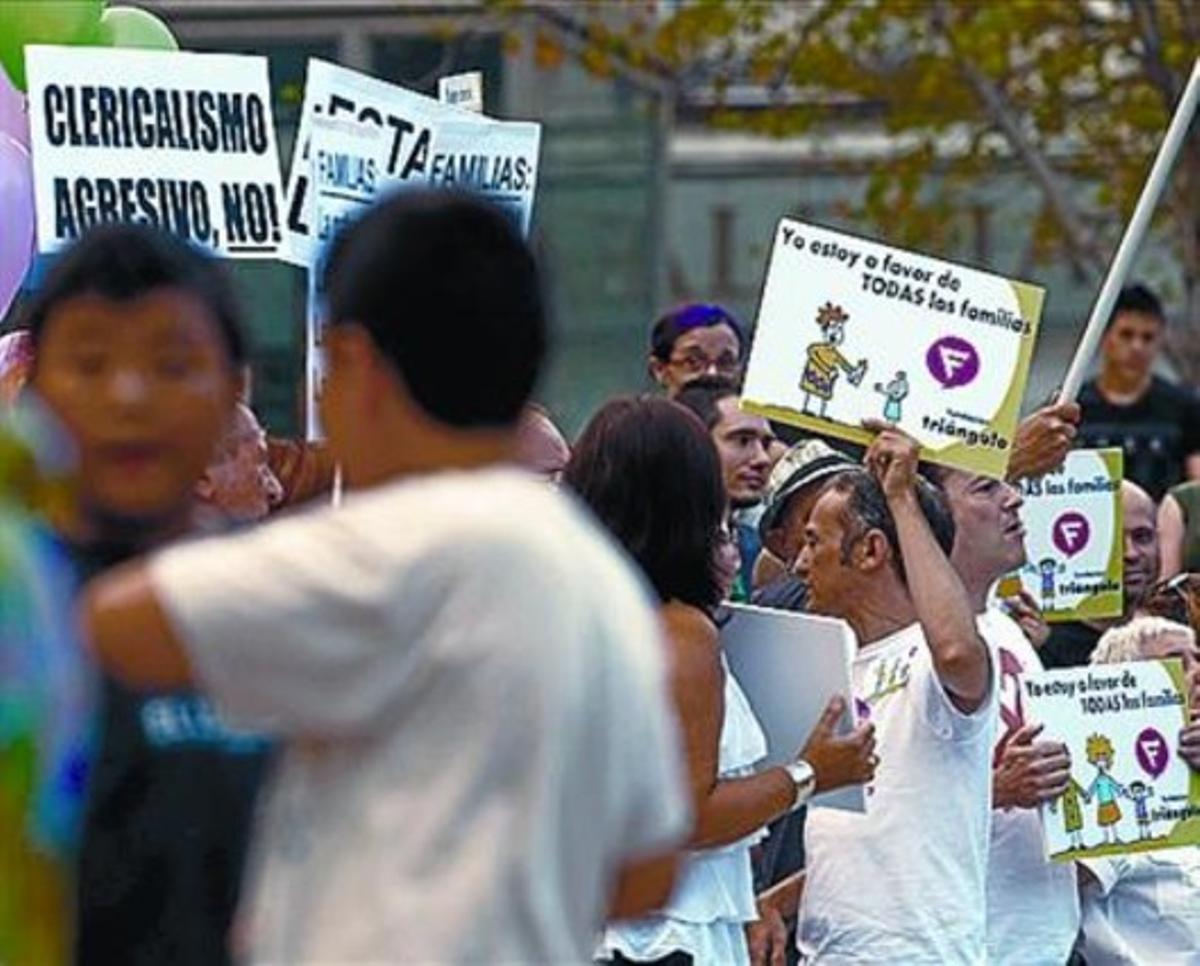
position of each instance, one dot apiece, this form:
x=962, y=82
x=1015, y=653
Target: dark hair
x=651, y=474
x=450, y=295
x=702, y=394
x=125, y=262
x=1137, y=298
x=684, y=318
x=868, y=509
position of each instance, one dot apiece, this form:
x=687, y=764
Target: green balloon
x=60, y=22
x=131, y=27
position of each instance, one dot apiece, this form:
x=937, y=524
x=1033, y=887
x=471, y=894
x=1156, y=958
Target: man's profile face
x=145, y=387
x=821, y=564
x=743, y=442
x=703, y=350
x=242, y=484
x=989, y=536
x=1141, y=544
x=1132, y=343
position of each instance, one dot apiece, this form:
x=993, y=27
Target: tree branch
x=1080, y=240
x=1152, y=53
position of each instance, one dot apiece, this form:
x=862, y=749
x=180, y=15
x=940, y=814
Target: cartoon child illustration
x=1104, y=788
x=895, y=391
x=1047, y=569
x=825, y=359
x=1072, y=812
x=1140, y=792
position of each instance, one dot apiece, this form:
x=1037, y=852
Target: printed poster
x=424, y=143
x=1073, y=534
x=181, y=141
x=1129, y=791
x=348, y=169
x=850, y=329
x=789, y=666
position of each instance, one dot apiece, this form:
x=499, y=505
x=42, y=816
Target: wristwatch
x=804, y=778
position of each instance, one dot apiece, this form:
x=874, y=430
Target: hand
x=767, y=937
x=892, y=459
x=1043, y=439
x=840, y=761
x=1030, y=772
x=1189, y=737
x=1025, y=611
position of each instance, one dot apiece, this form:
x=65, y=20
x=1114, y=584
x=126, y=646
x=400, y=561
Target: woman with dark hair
x=650, y=472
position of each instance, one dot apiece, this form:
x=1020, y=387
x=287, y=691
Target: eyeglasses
x=695, y=363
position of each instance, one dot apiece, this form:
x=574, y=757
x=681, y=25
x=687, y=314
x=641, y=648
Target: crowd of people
x=477, y=710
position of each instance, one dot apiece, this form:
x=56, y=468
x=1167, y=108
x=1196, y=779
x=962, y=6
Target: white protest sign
x=462, y=90
x=789, y=666
x=182, y=141
x=849, y=329
x=1073, y=537
x=1129, y=790
x=427, y=144
x=344, y=174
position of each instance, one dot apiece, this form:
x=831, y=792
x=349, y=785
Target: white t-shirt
x=1145, y=909
x=1033, y=904
x=905, y=883
x=471, y=685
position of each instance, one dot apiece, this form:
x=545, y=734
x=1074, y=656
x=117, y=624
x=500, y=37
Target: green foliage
x=1079, y=92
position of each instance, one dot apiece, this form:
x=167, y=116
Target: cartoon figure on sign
x=1072, y=812
x=825, y=359
x=1104, y=788
x=1047, y=569
x=895, y=391
x=1141, y=793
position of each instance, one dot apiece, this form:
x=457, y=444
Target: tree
x=1076, y=92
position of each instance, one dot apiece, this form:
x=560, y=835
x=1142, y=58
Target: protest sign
x=1074, y=539
x=181, y=141
x=789, y=666
x=1129, y=790
x=345, y=173
x=462, y=90
x=425, y=143
x=849, y=329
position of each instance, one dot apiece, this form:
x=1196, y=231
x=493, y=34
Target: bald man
x=1071, y=644
x=541, y=447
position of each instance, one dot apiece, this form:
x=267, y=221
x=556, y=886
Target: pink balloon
x=16, y=364
x=16, y=203
x=14, y=118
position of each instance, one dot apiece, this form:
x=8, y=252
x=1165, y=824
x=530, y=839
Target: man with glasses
x=694, y=340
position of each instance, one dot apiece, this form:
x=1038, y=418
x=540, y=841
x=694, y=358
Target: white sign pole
x=1135, y=231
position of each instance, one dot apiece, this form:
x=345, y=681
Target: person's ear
x=872, y=552
x=204, y=489
x=657, y=369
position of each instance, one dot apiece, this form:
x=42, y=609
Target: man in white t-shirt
x=903, y=883
x=480, y=763
x=1032, y=904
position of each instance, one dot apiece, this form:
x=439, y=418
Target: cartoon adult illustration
x=825, y=359
x=895, y=391
x=1141, y=793
x=1104, y=788
x=1072, y=812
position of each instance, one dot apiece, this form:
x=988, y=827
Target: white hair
x=1128, y=642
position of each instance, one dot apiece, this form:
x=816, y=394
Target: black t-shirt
x=1069, y=645
x=1157, y=433
x=170, y=798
